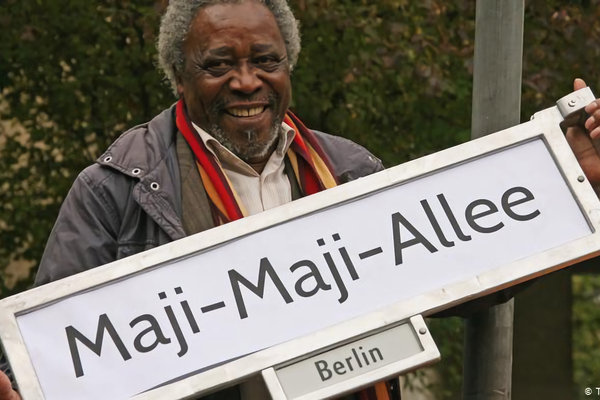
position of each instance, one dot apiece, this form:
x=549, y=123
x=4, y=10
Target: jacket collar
x=140, y=150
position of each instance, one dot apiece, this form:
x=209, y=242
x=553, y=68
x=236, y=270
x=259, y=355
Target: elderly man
x=228, y=148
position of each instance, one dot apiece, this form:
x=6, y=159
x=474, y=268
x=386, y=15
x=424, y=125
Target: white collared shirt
x=257, y=192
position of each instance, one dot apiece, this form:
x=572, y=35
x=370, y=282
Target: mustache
x=222, y=103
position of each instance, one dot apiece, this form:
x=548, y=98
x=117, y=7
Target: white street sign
x=412, y=239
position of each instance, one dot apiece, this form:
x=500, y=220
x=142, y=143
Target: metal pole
x=497, y=77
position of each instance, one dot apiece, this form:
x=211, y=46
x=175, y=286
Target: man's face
x=236, y=81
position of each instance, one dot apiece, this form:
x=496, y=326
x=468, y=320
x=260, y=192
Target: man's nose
x=246, y=80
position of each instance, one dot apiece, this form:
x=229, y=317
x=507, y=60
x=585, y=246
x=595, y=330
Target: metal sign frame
x=545, y=125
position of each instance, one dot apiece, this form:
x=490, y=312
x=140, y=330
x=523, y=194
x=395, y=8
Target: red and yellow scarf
x=311, y=168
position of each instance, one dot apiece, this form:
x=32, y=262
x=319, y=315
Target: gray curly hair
x=178, y=18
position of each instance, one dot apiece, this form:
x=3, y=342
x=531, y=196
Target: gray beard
x=252, y=149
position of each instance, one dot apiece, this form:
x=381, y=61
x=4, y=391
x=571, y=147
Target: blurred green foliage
x=73, y=75
x=392, y=75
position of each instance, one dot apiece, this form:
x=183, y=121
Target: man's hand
x=585, y=143
x=6, y=391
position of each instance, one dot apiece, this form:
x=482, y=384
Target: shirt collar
x=226, y=157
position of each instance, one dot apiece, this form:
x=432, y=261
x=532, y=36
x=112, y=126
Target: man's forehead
x=221, y=26
x=254, y=48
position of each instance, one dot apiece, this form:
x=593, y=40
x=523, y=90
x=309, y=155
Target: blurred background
x=392, y=75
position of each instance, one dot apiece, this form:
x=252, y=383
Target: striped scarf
x=312, y=171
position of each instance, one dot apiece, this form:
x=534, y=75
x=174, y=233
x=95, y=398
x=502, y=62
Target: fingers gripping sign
x=593, y=122
x=6, y=391
x=585, y=143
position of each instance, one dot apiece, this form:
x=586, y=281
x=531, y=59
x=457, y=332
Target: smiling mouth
x=244, y=113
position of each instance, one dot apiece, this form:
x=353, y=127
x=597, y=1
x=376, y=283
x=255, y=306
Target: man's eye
x=266, y=61
x=217, y=66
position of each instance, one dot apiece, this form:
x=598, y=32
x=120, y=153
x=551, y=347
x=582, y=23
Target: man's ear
x=178, y=81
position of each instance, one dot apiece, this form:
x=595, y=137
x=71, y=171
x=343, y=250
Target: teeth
x=246, y=113
x=255, y=111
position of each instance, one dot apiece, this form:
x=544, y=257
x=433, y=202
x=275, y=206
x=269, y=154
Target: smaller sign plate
x=347, y=368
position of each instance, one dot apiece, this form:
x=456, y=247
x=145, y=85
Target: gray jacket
x=130, y=200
